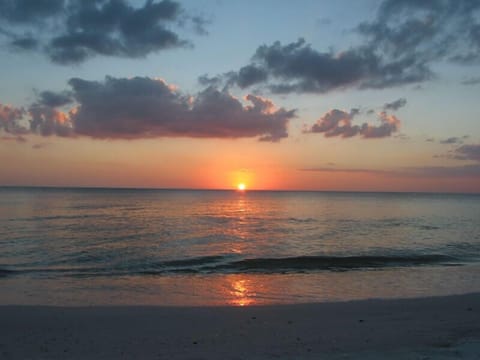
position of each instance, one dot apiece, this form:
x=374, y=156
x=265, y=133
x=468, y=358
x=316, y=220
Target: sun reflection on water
x=241, y=292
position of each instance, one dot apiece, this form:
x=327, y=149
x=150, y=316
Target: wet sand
x=428, y=328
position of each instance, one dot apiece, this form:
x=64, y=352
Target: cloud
x=10, y=120
x=445, y=171
x=395, y=105
x=339, y=123
x=24, y=43
x=48, y=121
x=426, y=31
x=421, y=171
x=249, y=75
x=142, y=107
x=468, y=152
x=451, y=140
x=389, y=124
x=349, y=170
x=398, y=47
x=55, y=99
x=71, y=31
x=26, y=11
x=297, y=67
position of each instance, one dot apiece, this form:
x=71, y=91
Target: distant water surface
x=166, y=247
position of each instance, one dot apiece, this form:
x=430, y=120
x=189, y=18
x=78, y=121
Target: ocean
x=68, y=246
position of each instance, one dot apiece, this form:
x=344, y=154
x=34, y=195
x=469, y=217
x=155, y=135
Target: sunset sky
x=363, y=95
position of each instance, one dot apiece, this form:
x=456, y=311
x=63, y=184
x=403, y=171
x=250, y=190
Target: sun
x=241, y=187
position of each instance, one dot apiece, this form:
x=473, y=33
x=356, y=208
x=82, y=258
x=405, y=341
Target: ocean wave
x=309, y=263
x=5, y=272
x=225, y=264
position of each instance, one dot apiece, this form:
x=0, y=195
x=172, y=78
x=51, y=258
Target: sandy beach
x=427, y=328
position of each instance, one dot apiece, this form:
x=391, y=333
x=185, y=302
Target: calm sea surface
x=167, y=247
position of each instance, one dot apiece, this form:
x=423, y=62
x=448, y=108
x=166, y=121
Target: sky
x=371, y=95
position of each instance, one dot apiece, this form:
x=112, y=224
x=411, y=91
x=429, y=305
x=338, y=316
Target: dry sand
x=429, y=328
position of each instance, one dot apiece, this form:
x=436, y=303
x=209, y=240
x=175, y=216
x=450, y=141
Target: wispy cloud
x=395, y=105
x=425, y=171
x=349, y=170
x=453, y=140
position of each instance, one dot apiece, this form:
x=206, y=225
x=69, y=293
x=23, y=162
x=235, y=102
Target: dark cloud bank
x=398, y=47
x=120, y=108
x=71, y=31
x=142, y=107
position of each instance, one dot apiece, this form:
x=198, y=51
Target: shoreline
x=443, y=327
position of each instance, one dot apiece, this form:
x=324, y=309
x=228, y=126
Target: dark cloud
x=144, y=107
x=71, y=31
x=120, y=108
x=297, y=67
x=398, y=47
x=336, y=123
x=468, y=152
x=339, y=123
x=55, y=99
x=26, y=11
x=304, y=69
x=395, y=105
x=426, y=31
x=249, y=75
x=24, y=43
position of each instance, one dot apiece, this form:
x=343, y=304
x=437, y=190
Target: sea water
x=195, y=247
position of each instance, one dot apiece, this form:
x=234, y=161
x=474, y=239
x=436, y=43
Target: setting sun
x=241, y=187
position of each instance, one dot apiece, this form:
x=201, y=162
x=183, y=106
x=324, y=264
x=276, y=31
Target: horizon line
x=73, y=187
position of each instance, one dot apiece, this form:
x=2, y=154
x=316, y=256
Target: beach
x=256, y=275
x=445, y=327
x=239, y=180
